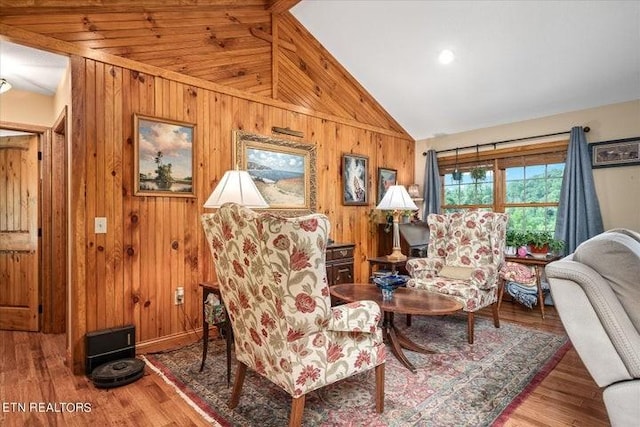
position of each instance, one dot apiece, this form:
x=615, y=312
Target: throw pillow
x=458, y=273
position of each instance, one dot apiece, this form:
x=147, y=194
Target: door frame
x=50, y=244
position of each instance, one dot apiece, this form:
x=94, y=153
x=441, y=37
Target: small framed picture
x=620, y=152
x=386, y=178
x=163, y=157
x=355, y=189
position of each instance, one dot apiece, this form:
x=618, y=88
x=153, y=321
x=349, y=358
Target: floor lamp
x=396, y=199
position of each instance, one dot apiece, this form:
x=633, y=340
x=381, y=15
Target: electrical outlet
x=100, y=225
x=179, y=296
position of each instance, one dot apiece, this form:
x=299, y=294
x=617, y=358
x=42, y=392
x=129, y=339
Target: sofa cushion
x=616, y=257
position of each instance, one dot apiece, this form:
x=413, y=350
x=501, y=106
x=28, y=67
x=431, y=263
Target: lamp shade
x=236, y=186
x=396, y=198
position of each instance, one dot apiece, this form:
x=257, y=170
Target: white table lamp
x=236, y=186
x=396, y=199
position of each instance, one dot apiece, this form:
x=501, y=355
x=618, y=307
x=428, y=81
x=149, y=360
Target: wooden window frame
x=497, y=161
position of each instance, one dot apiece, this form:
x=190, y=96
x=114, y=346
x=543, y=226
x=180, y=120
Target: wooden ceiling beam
x=120, y=5
x=281, y=6
x=268, y=37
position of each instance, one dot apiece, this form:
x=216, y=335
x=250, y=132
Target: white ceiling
x=30, y=69
x=515, y=60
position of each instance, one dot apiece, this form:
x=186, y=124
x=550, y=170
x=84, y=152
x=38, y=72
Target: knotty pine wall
x=155, y=244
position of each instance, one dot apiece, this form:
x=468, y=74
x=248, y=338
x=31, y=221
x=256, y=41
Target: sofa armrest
x=357, y=316
x=424, y=268
x=608, y=314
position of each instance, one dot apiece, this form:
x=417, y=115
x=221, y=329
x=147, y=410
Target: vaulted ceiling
x=255, y=46
x=515, y=60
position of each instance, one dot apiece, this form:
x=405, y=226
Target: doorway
x=33, y=293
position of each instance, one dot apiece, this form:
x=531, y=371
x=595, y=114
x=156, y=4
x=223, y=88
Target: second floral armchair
x=464, y=256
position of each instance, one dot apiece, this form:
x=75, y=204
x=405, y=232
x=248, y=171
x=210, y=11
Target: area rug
x=459, y=385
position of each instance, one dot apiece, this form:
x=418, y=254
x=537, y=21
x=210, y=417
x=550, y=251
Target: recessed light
x=446, y=57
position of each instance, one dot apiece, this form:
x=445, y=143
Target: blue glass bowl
x=391, y=281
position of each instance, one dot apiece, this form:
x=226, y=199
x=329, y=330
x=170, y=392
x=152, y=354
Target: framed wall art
x=355, y=183
x=284, y=171
x=620, y=152
x=164, y=157
x=386, y=178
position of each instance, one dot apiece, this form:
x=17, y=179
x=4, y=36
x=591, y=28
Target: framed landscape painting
x=620, y=152
x=386, y=178
x=355, y=186
x=284, y=171
x=163, y=157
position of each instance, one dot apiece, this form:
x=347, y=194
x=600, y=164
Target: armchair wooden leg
x=495, y=307
x=237, y=385
x=470, y=324
x=297, y=409
x=380, y=388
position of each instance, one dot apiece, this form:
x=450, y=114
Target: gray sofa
x=596, y=291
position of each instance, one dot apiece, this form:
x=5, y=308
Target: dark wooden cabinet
x=340, y=263
x=414, y=238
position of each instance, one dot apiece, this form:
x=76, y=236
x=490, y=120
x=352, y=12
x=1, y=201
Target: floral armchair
x=272, y=277
x=464, y=255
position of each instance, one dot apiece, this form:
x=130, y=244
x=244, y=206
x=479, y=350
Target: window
x=467, y=193
x=524, y=182
x=532, y=195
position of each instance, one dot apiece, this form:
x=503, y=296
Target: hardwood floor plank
x=33, y=369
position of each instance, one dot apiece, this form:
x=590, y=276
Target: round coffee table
x=405, y=301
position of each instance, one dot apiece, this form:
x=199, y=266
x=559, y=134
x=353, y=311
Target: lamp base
x=396, y=255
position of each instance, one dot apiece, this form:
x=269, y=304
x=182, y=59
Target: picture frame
x=355, y=180
x=386, y=178
x=284, y=171
x=163, y=157
x=619, y=152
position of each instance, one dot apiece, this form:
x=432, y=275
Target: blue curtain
x=431, y=187
x=579, y=215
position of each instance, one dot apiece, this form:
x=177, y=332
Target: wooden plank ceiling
x=229, y=42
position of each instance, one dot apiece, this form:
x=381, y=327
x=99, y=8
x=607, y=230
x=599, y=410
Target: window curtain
x=579, y=215
x=431, y=187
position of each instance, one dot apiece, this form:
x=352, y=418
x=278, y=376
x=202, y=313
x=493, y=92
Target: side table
x=207, y=288
x=537, y=264
x=383, y=261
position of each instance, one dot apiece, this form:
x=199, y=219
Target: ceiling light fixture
x=446, y=57
x=4, y=85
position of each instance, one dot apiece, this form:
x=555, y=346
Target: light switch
x=100, y=225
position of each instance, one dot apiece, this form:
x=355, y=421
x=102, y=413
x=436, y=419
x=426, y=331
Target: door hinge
x=39, y=155
x=39, y=308
x=39, y=232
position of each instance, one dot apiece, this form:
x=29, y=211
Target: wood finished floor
x=32, y=369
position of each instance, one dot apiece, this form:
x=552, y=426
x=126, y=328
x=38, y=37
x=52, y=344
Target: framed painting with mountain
x=164, y=156
x=284, y=171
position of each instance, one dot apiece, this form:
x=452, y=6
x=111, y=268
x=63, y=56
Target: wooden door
x=19, y=233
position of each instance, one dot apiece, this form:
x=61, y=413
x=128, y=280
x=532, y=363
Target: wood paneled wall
x=208, y=63
x=155, y=244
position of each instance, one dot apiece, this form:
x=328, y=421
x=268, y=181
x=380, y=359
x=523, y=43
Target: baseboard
x=173, y=341
x=168, y=342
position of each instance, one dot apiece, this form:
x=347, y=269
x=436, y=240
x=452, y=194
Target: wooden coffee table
x=405, y=301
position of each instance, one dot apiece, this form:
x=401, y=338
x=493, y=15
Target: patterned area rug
x=460, y=385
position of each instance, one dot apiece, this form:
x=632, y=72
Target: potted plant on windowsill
x=542, y=242
x=514, y=240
